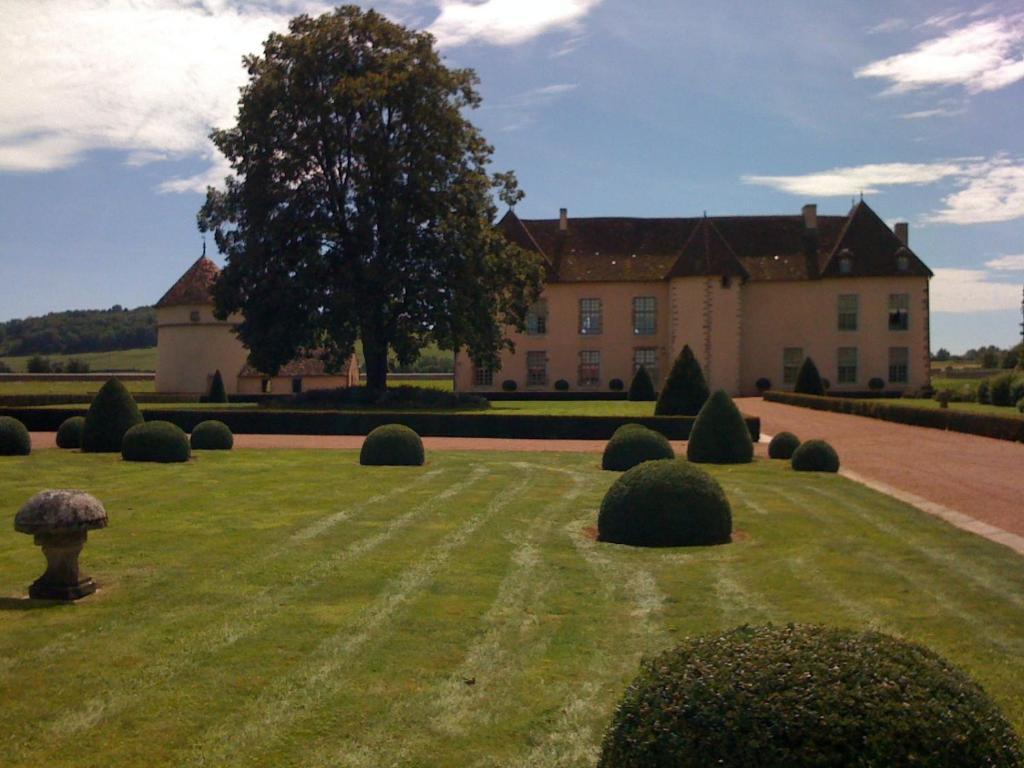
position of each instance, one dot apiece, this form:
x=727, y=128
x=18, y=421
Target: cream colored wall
x=563, y=342
x=189, y=352
x=805, y=314
x=282, y=385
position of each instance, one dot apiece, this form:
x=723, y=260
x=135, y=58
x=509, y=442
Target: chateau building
x=751, y=295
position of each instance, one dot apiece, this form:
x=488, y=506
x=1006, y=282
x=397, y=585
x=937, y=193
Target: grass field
x=143, y=359
x=290, y=608
x=66, y=387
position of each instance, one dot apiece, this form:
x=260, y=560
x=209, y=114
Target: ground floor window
x=590, y=368
x=537, y=368
x=296, y=386
x=648, y=358
x=265, y=386
x=899, y=365
x=846, y=372
x=792, y=359
x=482, y=377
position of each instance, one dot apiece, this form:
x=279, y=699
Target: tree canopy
x=360, y=206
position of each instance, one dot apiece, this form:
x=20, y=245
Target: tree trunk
x=376, y=355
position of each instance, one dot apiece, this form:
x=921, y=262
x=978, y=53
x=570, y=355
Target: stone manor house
x=751, y=295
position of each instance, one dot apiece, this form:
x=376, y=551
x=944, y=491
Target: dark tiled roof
x=194, y=286
x=873, y=249
x=707, y=253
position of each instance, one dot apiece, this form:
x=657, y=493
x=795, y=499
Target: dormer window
x=902, y=260
x=845, y=262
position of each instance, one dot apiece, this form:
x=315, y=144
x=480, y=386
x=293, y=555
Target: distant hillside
x=79, y=331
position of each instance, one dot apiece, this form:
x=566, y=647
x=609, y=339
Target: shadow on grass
x=27, y=604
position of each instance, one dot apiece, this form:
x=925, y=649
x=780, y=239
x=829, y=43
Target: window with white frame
x=846, y=365
x=645, y=315
x=482, y=377
x=536, y=368
x=848, y=309
x=537, y=319
x=590, y=368
x=648, y=358
x=899, y=311
x=792, y=359
x=590, y=317
x=899, y=365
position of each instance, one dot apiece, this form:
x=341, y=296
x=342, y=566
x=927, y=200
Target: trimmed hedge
x=310, y=422
x=616, y=385
x=986, y=425
x=634, y=444
x=69, y=434
x=217, y=393
x=783, y=445
x=158, y=441
x=808, y=380
x=815, y=456
x=685, y=391
x=802, y=696
x=392, y=445
x=211, y=435
x=665, y=503
x=720, y=435
x=14, y=438
x=641, y=388
x=112, y=413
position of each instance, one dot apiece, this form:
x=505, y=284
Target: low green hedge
x=308, y=422
x=986, y=425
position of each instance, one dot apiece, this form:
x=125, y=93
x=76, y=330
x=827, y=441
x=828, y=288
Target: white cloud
x=992, y=191
x=937, y=112
x=852, y=180
x=505, y=22
x=983, y=56
x=211, y=177
x=971, y=290
x=888, y=25
x=1014, y=263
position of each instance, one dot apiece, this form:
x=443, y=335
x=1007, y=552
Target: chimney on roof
x=810, y=212
x=902, y=230
x=563, y=219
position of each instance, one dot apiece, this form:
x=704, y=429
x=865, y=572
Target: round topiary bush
x=720, y=435
x=159, y=441
x=14, y=438
x=763, y=384
x=69, y=434
x=211, y=435
x=815, y=456
x=562, y=385
x=392, y=445
x=665, y=503
x=633, y=444
x=801, y=696
x=876, y=383
x=112, y=413
x=616, y=385
x=783, y=445
x=508, y=385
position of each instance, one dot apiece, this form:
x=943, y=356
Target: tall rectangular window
x=846, y=372
x=537, y=319
x=848, y=304
x=590, y=317
x=482, y=377
x=536, y=368
x=899, y=311
x=645, y=315
x=792, y=359
x=590, y=368
x=648, y=358
x=899, y=365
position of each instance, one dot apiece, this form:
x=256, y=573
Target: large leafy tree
x=360, y=206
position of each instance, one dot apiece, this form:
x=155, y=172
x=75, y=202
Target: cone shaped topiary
x=69, y=434
x=112, y=413
x=159, y=441
x=392, y=445
x=783, y=445
x=720, y=435
x=801, y=696
x=685, y=390
x=815, y=456
x=211, y=435
x=641, y=388
x=217, y=392
x=14, y=438
x=634, y=444
x=808, y=380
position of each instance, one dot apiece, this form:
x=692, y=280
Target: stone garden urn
x=60, y=521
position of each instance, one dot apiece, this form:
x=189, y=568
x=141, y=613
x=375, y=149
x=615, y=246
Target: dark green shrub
x=616, y=385
x=999, y=389
x=633, y=444
x=69, y=434
x=983, y=392
x=808, y=380
x=217, y=392
x=508, y=385
x=943, y=397
x=783, y=445
x=211, y=435
x=641, y=388
x=112, y=413
x=763, y=384
x=720, y=435
x=562, y=385
x=38, y=364
x=1016, y=389
x=76, y=365
x=802, y=696
x=876, y=384
x=401, y=397
x=392, y=445
x=1020, y=405
x=685, y=390
x=14, y=438
x=158, y=441
x=665, y=503
x=815, y=456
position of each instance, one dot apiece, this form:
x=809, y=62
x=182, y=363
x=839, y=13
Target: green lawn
x=143, y=359
x=991, y=410
x=66, y=387
x=291, y=608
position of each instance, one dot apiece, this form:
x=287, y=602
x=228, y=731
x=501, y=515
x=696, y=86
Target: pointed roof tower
x=874, y=249
x=706, y=252
x=193, y=287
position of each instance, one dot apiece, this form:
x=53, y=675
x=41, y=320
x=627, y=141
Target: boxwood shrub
x=763, y=384
x=685, y=390
x=509, y=385
x=112, y=413
x=783, y=445
x=211, y=435
x=158, y=441
x=802, y=696
x=808, y=380
x=392, y=445
x=641, y=388
x=14, y=438
x=69, y=434
x=616, y=385
x=665, y=503
x=815, y=456
x=633, y=444
x=720, y=435
x=562, y=385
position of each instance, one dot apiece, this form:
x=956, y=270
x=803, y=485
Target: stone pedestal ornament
x=60, y=521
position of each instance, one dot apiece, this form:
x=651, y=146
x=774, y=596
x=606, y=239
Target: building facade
x=751, y=295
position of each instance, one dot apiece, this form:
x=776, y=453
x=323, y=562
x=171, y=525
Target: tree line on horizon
x=77, y=331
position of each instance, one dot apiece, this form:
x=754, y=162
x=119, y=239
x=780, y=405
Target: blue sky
x=606, y=107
